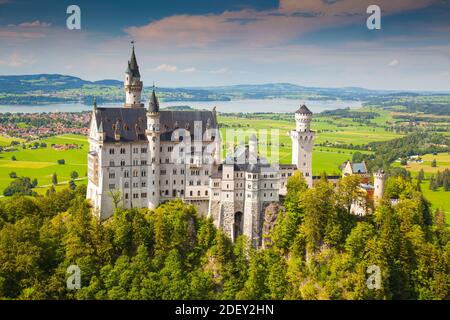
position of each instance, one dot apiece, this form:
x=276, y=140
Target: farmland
x=41, y=163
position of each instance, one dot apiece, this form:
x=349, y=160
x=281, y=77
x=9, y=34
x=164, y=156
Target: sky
x=321, y=43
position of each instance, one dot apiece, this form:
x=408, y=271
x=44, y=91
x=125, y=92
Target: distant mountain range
x=57, y=88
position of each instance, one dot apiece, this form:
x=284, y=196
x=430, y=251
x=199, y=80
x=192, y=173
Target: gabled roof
x=359, y=167
x=304, y=110
x=130, y=123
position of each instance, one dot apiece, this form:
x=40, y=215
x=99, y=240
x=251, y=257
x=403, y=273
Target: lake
x=249, y=105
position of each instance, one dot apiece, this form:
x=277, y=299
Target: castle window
x=126, y=196
x=111, y=163
x=135, y=173
x=135, y=150
x=174, y=171
x=127, y=185
x=122, y=163
x=181, y=181
x=167, y=192
x=143, y=184
x=191, y=183
x=143, y=150
x=111, y=151
x=126, y=174
x=182, y=192
x=122, y=150
x=167, y=160
x=143, y=195
x=167, y=182
x=198, y=193
x=206, y=192
x=190, y=193
x=135, y=185
x=174, y=182
x=199, y=183
x=182, y=171
x=112, y=175
x=135, y=195
x=143, y=162
x=112, y=186
x=174, y=193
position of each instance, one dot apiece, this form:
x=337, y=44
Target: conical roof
x=153, y=105
x=133, y=67
x=303, y=110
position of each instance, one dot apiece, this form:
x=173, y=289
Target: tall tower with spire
x=302, y=143
x=132, y=83
x=153, y=137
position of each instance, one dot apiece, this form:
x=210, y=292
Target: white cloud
x=16, y=60
x=189, y=70
x=171, y=68
x=166, y=68
x=35, y=24
x=393, y=63
x=221, y=70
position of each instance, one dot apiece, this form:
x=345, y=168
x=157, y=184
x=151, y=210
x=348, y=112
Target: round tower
x=132, y=83
x=303, y=117
x=379, y=178
x=153, y=136
x=253, y=150
x=302, y=143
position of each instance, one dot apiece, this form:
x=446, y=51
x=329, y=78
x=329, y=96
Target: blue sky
x=210, y=42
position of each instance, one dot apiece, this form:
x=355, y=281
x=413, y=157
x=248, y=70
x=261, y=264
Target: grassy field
x=6, y=141
x=42, y=163
x=439, y=198
x=442, y=163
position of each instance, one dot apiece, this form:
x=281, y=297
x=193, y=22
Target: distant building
x=373, y=193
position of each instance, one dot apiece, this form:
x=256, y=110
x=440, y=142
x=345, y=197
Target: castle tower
x=253, y=150
x=153, y=136
x=379, y=178
x=252, y=205
x=133, y=84
x=302, y=143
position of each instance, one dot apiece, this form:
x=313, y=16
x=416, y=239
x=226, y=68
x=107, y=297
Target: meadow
x=41, y=163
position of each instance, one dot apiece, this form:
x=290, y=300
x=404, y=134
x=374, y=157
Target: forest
x=316, y=249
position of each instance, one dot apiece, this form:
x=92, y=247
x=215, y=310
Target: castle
x=143, y=156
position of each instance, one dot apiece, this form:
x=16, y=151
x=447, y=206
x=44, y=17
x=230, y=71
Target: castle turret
x=302, y=143
x=153, y=136
x=252, y=205
x=253, y=150
x=132, y=83
x=379, y=178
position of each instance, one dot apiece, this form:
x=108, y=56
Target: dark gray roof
x=131, y=123
x=172, y=120
x=153, y=105
x=133, y=67
x=303, y=110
